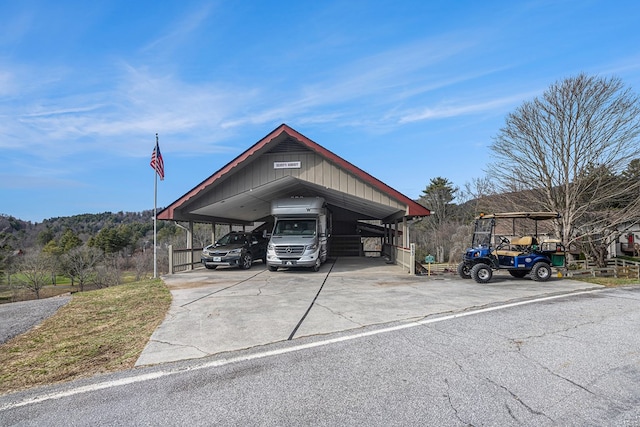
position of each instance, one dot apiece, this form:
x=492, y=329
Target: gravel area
x=18, y=317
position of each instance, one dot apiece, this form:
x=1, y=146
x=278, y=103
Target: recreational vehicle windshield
x=300, y=233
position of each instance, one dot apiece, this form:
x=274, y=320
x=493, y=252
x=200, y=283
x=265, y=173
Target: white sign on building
x=287, y=165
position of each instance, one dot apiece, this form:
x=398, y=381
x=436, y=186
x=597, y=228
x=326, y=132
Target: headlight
x=271, y=247
x=235, y=251
x=312, y=247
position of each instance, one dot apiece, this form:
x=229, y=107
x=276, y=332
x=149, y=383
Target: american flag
x=156, y=161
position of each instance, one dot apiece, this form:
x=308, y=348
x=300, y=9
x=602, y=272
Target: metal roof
x=255, y=204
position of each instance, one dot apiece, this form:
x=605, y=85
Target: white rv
x=300, y=233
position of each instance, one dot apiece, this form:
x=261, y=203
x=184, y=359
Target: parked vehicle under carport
x=235, y=249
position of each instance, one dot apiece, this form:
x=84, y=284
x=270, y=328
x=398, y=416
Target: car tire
x=273, y=268
x=481, y=273
x=246, y=261
x=316, y=266
x=541, y=272
x=210, y=267
x=464, y=271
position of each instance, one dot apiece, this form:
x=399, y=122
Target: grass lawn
x=97, y=331
x=62, y=286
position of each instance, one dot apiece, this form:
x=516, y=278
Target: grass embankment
x=96, y=332
x=610, y=282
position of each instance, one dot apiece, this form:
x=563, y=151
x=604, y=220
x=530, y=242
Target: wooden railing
x=404, y=257
x=618, y=268
x=184, y=259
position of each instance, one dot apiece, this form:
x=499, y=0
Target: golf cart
x=520, y=254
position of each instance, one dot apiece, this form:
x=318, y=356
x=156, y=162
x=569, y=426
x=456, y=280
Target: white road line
x=223, y=362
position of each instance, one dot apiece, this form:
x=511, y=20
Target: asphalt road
x=571, y=360
x=18, y=317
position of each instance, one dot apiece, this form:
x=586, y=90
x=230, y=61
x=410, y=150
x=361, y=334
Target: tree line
x=89, y=249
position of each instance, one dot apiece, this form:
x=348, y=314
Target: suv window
x=232, y=239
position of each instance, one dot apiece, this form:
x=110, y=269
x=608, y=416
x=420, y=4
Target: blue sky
x=405, y=90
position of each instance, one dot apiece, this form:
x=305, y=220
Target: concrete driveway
x=215, y=311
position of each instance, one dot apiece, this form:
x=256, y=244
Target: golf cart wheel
x=463, y=271
x=481, y=273
x=245, y=261
x=518, y=274
x=541, y=272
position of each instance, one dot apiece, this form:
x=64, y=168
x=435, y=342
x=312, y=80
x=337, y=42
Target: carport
x=284, y=164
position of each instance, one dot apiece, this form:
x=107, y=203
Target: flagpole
x=155, y=208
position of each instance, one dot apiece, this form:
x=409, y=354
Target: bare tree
x=553, y=150
x=478, y=196
x=143, y=262
x=460, y=241
x=81, y=264
x=35, y=271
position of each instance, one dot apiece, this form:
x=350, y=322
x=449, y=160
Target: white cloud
x=454, y=110
x=180, y=32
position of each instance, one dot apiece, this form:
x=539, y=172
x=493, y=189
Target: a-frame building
x=284, y=164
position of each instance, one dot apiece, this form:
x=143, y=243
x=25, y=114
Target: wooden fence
x=404, y=257
x=618, y=268
x=184, y=259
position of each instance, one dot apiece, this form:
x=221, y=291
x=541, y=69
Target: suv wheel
x=245, y=261
x=481, y=273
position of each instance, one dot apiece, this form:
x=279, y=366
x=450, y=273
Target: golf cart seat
x=519, y=245
x=524, y=243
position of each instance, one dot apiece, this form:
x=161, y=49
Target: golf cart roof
x=536, y=216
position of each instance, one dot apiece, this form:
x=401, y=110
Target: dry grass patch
x=98, y=331
x=610, y=282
